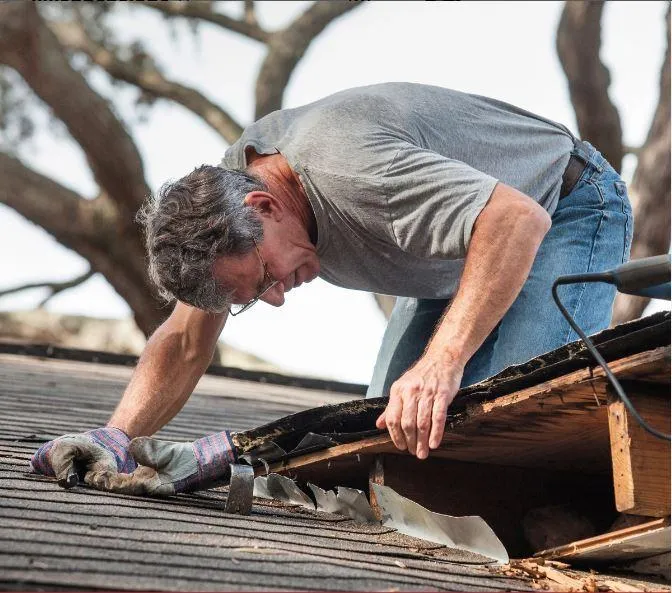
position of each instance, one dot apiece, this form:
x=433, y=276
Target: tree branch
x=250, y=15
x=54, y=287
x=62, y=212
x=28, y=46
x=634, y=150
x=203, y=11
x=286, y=48
x=73, y=36
x=92, y=228
x=650, y=190
x=578, y=44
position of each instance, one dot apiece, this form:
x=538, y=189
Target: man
x=464, y=207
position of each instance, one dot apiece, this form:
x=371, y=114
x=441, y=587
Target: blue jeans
x=591, y=231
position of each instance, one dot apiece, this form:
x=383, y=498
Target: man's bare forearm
x=504, y=243
x=503, y=246
x=174, y=359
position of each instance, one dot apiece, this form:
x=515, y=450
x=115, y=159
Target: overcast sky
x=503, y=49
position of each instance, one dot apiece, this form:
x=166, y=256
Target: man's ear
x=265, y=204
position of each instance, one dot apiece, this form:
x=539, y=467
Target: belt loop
x=581, y=151
x=593, y=156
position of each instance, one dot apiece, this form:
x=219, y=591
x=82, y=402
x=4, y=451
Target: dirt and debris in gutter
x=551, y=575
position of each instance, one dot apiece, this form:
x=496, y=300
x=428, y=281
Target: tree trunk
x=650, y=192
x=28, y=46
x=102, y=230
x=92, y=228
x=578, y=45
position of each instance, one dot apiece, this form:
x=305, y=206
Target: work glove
x=166, y=468
x=101, y=449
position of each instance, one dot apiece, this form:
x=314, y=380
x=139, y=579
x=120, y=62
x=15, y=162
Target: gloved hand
x=101, y=449
x=166, y=468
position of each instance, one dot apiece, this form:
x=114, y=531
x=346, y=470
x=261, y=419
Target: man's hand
x=416, y=413
x=505, y=239
x=167, y=468
x=102, y=449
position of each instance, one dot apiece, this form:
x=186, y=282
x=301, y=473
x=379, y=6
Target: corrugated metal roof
x=52, y=539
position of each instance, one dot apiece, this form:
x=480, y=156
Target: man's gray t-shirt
x=397, y=174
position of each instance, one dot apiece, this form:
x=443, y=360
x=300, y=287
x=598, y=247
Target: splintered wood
x=547, y=575
x=561, y=424
x=639, y=541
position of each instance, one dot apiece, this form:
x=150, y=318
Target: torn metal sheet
x=313, y=442
x=241, y=486
x=349, y=502
x=325, y=499
x=355, y=504
x=283, y=489
x=465, y=533
x=260, y=489
x=270, y=451
x=266, y=453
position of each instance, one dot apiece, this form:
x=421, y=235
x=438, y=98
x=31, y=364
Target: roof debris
x=548, y=575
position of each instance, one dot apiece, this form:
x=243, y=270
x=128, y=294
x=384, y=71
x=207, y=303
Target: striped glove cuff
x=214, y=454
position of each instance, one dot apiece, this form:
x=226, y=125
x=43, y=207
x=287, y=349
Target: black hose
x=608, y=278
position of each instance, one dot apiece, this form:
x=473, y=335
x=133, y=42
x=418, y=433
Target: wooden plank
x=652, y=365
x=377, y=476
x=640, y=541
x=560, y=424
x=640, y=461
x=378, y=444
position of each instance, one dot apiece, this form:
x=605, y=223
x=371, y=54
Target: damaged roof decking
x=84, y=539
x=352, y=421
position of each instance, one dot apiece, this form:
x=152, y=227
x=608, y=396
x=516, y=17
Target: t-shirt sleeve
x=433, y=202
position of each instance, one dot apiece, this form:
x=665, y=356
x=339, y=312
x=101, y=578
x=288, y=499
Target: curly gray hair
x=193, y=221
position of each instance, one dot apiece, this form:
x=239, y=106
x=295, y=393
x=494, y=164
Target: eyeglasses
x=268, y=283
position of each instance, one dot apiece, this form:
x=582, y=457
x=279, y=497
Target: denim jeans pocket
x=586, y=194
